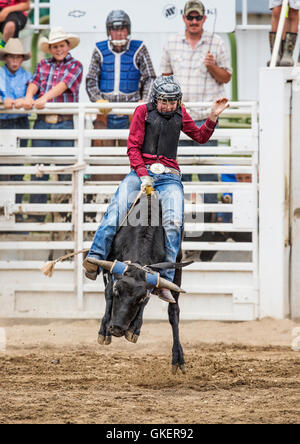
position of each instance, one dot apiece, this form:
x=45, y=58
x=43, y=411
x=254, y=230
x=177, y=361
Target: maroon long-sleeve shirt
x=139, y=160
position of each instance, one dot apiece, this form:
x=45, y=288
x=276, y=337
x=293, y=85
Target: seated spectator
x=13, y=84
x=226, y=199
x=13, y=18
x=56, y=79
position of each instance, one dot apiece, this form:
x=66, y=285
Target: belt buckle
x=51, y=119
x=157, y=168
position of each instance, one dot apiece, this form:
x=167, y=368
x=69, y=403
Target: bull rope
x=48, y=268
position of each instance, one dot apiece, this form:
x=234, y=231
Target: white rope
x=41, y=169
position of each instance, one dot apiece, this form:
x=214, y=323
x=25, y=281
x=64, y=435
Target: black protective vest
x=162, y=133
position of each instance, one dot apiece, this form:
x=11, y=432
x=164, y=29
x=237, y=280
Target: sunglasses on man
x=190, y=18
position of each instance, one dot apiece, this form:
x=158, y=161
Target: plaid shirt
x=143, y=62
x=187, y=64
x=6, y=3
x=49, y=73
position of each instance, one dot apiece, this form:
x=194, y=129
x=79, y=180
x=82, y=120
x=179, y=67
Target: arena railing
x=236, y=153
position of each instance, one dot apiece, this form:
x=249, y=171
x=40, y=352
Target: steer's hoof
x=131, y=337
x=177, y=366
x=107, y=340
x=183, y=368
x=101, y=339
x=104, y=340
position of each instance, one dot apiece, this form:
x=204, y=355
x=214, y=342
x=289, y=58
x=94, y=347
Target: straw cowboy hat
x=58, y=35
x=14, y=47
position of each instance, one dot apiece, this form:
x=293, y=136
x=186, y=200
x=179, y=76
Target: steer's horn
x=107, y=265
x=163, y=283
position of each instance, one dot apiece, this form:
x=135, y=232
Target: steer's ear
x=169, y=265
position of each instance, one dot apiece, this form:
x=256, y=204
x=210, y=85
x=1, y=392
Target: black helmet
x=166, y=88
x=118, y=18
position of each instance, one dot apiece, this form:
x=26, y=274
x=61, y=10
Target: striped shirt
x=187, y=64
x=6, y=3
x=49, y=73
x=145, y=66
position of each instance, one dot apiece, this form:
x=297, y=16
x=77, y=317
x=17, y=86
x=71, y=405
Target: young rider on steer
x=152, y=150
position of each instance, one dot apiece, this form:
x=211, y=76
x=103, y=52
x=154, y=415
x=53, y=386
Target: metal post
x=255, y=240
x=78, y=229
x=36, y=18
x=245, y=13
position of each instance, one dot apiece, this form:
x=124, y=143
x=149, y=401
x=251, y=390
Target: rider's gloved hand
x=147, y=185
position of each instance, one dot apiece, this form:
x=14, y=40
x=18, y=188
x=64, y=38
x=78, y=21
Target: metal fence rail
x=87, y=200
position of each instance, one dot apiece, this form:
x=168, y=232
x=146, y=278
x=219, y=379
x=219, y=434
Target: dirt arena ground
x=55, y=372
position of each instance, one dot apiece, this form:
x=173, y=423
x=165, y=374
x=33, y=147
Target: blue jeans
x=115, y=121
x=20, y=123
x=170, y=192
x=42, y=125
x=208, y=198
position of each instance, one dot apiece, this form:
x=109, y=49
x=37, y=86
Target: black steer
x=140, y=251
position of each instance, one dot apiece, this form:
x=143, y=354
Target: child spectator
x=13, y=18
x=13, y=84
x=56, y=79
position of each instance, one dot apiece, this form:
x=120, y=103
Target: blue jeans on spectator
x=170, y=193
x=20, y=123
x=115, y=121
x=208, y=198
x=42, y=125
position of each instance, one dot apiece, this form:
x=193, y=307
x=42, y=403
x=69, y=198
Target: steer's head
x=129, y=292
x=132, y=284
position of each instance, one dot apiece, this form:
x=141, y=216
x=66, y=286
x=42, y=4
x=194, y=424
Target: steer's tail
x=48, y=268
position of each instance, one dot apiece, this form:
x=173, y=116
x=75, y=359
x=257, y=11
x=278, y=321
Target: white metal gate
x=224, y=289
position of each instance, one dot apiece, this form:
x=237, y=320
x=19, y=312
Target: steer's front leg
x=104, y=336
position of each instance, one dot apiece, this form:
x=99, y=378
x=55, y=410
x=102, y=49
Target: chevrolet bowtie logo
x=77, y=13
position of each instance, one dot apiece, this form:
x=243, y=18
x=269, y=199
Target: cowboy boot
x=272, y=37
x=288, y=49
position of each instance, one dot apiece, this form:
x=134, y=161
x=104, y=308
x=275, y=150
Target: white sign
x=146, y=16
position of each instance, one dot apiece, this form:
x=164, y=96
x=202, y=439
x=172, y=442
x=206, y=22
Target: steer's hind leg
x=104, y=336
x=174, y=312
x=177, y=351
x=134, y=330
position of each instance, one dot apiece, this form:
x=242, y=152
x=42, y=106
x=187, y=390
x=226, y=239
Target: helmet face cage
x=118, y=20
x=166, y=89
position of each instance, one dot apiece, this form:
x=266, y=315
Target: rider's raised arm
x=136, y=139
x=200, y=135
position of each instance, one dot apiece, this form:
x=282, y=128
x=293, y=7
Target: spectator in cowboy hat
x=13, y=84
x=13, y=18
x=56, y=79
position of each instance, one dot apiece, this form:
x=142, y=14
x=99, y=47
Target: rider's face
x=166, y=106
x=119, y=34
